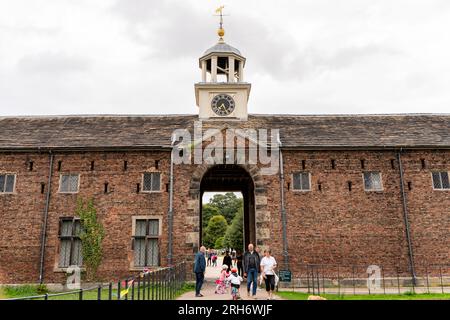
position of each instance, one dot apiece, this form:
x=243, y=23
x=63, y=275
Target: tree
x=217, y=226
x=228, y=204
x=92, y=234
x=208, y=212
x=234, y=235
x=219, y=243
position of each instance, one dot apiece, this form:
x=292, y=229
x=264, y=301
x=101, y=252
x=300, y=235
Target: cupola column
x=231, y=77
x=204, y=71
x=241, y=71
x=214, y=69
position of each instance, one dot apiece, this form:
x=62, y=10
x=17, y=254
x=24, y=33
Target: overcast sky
x=304, y=57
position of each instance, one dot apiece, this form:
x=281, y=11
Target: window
x=70, y=243
x=151, y=182
x=146, y=238
x=7, y=183
x=372, y=181
x=301, y=181
x=69, y=183
x=440, y=180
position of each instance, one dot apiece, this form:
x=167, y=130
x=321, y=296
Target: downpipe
x=283, y=209
x=406, y=220
x=45, y=220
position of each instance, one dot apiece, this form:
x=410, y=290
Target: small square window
x=151, y=182
x=372, y=181
x=7, y=183
x=301, y=181
x=441, y=180
x=69, y=183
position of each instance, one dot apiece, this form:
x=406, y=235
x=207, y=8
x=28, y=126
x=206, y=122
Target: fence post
x=307, y=277
x=99, y=292
x=318, y=280
x=339, y=281
x=323, y=279
x=428, y=284
x=148, y=287
x=139, y=288
x=143, y=285
x=46, y=296
x=153, y=285
x=80, y=294
x=132, y=289
x=110, y=291
x=440, y=275
x=353, y=279
x=118, y=290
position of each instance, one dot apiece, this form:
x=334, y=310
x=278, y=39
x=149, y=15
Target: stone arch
x=262, y=215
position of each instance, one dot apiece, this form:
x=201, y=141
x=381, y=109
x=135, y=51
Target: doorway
x=235, y=179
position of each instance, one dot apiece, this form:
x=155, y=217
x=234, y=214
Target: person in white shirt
x=235, y=280
x=268, y=265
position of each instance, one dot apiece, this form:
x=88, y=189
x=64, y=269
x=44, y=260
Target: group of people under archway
x=236, y=267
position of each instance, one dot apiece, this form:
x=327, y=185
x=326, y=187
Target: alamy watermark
x=228, y=146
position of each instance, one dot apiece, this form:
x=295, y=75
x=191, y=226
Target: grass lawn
x=289, y=295
x=33, y=290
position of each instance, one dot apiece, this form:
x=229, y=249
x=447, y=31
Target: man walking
x=251, y=264
x=199, y=270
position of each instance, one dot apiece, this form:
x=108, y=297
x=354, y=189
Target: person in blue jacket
x=199, y=270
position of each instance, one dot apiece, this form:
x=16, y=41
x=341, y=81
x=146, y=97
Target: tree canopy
x=228, y=204
x=217, y=226
x=234, y=237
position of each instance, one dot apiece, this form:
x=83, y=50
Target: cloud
x=169, y=29
x=56, y=63
x=141, y=56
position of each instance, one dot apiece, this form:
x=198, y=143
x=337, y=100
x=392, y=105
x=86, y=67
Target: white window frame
x=14, y=185
x=381, y=181
x=432, y=181
x=301, y=190
x=133, y=233
x=151, y=191
x=69, y=174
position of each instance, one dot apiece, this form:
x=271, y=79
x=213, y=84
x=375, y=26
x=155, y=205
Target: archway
x=256, y=203
x=232, y=178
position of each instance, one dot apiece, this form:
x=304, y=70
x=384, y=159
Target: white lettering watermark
x=373, y=277
x=74, y=278
x=228, y=146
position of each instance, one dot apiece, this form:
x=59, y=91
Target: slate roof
x=222, y=47
x=296, y=131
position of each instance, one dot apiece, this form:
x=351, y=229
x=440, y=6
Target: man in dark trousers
x=227, y=261
x=251, y=264
x=199, y=270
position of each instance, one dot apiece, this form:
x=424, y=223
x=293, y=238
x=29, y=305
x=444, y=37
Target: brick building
x=348, y=189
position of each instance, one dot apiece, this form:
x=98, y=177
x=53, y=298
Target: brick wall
x=330, y=226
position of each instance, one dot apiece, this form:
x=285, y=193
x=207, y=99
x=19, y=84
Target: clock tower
x=222, y=93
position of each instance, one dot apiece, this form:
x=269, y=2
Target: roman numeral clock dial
x=222, y=104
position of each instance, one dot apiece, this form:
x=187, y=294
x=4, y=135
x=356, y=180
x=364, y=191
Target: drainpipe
x=170, y=212
x=283, y=209
x=406, y=220
x=44, y=225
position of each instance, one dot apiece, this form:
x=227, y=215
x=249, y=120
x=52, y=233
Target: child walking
x=235, y=280
x=221, y=282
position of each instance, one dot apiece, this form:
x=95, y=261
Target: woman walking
x=268, y=265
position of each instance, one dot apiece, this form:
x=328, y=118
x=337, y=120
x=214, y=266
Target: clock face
x=222, y=104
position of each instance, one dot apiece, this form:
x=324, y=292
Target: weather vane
x=221, y=31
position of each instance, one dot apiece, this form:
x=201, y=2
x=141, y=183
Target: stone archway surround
x=262, y=215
